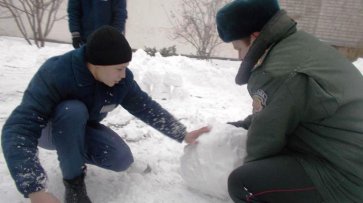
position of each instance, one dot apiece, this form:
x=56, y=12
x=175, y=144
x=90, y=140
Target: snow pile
x=206, y=166
x=165, y=84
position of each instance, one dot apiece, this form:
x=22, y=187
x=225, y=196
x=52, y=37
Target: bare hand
x=43, y=197
x=191, y=137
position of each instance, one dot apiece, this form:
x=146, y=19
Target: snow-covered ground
x=196, y=92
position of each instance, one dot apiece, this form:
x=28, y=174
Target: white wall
x=147, y=26
x=59, y=32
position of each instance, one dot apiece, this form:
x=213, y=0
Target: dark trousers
x=277, y=179
x=79, y=142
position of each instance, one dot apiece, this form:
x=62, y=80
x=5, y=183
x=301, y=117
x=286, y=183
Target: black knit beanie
x=107, y=46
x=240, y=18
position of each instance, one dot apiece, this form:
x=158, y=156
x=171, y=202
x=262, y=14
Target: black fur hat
x=240, y=18
x=107, y=46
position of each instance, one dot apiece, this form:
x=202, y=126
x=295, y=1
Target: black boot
x=76, y=190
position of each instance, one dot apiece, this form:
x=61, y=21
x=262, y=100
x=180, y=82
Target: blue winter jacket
x=85, y=16
x=66, y=77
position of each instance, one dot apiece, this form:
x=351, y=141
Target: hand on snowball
x=192, y=136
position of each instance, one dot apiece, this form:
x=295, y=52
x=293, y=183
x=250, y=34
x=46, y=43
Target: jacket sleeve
x=139, y=104
x=21, y=131
x=267, y=134
x=119, y=14
x=74, y=15
x=245, y=123
x=300, y=99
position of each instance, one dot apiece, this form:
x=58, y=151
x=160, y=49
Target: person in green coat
x=305, y=134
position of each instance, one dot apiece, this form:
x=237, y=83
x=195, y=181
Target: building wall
x=351, y=53
x=336, y=22
x=148, y=25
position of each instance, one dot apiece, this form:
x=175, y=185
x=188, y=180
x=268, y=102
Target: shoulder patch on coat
x=259, y=100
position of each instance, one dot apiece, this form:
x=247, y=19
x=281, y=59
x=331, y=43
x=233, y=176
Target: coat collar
x=81, y=73
x=279, y=27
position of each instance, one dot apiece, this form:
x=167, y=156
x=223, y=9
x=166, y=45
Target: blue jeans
x=78, y=141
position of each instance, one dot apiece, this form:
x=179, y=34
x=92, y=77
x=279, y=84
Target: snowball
x=206, y=166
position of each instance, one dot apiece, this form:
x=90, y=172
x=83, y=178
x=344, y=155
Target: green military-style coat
x=308, y=101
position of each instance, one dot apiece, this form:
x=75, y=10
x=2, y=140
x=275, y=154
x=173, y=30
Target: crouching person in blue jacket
x=62, y=108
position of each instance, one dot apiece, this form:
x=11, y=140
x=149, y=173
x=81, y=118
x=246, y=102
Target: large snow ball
x=206, y=165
